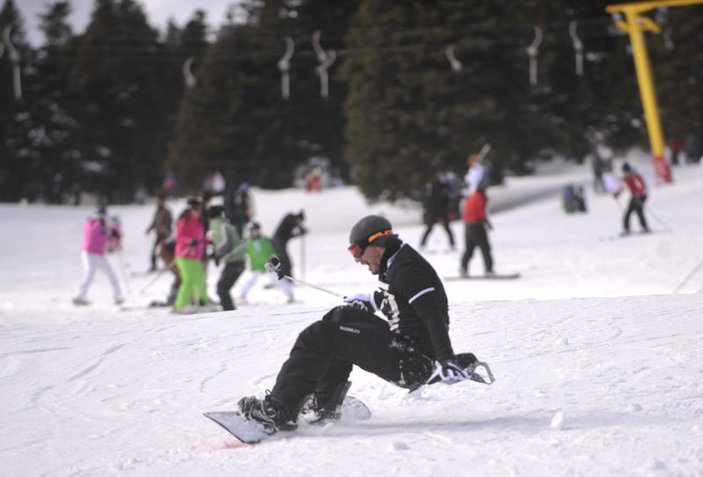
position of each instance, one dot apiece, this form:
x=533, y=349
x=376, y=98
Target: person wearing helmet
x=410, y=347
x=638, y=195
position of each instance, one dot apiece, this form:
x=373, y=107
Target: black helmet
x=215, y=211
x=194, y=202
x=371, y=230
x=626, y=167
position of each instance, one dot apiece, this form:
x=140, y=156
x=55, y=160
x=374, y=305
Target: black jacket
x=414, y=301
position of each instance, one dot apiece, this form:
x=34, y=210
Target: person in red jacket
x=476, y=222
x=638, y=191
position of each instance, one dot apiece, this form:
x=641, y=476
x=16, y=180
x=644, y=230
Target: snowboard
x=495, y=276
x=251, y=432
x=624, y=236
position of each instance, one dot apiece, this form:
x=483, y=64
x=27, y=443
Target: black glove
x=193, y=242
x=449, y=372
x=274, y=265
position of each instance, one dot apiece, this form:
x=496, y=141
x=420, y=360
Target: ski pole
x=302, y=255
x=688, y=277
x=158, y=275
x=274, y=266
x=661, y=222
x=120, y=260
x=484, y=151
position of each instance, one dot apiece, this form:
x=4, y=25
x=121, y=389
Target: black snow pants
x=230, y=274
x=325, y=352
x=443, y=219
x=636, y=205
x=475, y=236
x=281, y=247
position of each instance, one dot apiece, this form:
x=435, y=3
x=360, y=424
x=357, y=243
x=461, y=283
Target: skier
x=437, y=208
x=166, y=251
x=190, y=246
x=638, y=195
x=162, y=224
x=475, y=224
x=229, y=249
x=411, y=349
x=476, y=175
x=95, y=238
x=291, y=226
x=239, y=206
x=260, y=250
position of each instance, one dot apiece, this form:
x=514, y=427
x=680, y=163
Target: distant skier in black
x=291, y=226
x=411, y=348
x=239, y=206
x=437, y=208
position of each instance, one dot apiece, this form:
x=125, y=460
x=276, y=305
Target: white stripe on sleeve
x=419, y=294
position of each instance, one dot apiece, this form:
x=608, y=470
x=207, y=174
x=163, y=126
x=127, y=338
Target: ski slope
x=596, y=349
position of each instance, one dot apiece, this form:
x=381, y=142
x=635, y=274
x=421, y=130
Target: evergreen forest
x=387, y=93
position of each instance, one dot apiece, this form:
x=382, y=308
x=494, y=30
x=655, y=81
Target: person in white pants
x=260, y=250
x=285, y=285
x=95, y=237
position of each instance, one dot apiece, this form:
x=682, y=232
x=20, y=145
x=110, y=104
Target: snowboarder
x=476, y=224
x=95, y=238
x=437, y=208
x=190, y=246
x=229, y=249
x=162, y=224
x=260, y=250
x=411, y=349
x=638, y=195
x=291, y=226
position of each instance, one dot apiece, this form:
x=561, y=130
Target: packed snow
x=595, y=349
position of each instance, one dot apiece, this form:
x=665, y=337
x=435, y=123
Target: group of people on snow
x=442, y=203
x=225, y=234
x=203, y=233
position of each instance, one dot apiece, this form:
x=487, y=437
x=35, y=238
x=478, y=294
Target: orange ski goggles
x=357, y=248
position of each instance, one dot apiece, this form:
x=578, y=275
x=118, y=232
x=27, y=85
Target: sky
x=158, y=12
x=595, y=348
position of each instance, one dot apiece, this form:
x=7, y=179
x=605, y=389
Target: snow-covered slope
x=596, y=349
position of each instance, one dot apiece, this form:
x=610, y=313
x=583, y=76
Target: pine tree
x=409, y=116
x=18, y=163
x=55, y=130
x=677, y=61
x=235, y=119
x=120, y=73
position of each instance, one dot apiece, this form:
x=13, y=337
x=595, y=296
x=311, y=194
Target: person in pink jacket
x=95, y=239
x=190, y=248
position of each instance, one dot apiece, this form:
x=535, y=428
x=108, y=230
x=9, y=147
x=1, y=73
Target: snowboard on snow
x=251, y=432
x=624, y=235
x=495, y=276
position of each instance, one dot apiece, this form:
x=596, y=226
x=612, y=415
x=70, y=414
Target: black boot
x=272, y=415
x=326, y=404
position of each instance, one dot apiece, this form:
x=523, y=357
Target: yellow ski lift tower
x=634, y=25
